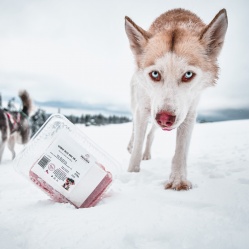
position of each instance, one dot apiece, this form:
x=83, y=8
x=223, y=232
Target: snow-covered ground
x=137, y=212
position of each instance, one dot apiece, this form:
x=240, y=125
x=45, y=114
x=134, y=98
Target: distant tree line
x=39, y=118
x=98, y=119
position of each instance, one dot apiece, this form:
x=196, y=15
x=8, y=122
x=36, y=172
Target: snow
x=137, y=212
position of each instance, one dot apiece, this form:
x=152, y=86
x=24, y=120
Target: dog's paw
x=146, y=156
x=134, y=169
x=178, y=185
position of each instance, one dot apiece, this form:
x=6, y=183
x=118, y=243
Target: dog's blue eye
x=155, y=75
x=188, y=76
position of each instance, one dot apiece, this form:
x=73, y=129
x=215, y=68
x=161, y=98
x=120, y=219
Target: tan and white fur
x=176, y=60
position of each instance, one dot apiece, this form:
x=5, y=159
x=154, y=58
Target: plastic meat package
x=66, y=164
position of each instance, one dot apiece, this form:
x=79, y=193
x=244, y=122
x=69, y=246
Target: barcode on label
x=44, y=162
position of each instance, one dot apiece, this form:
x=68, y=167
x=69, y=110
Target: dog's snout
x=165, y=119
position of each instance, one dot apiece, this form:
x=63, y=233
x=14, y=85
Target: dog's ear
x=137, y=36
x=214, y=34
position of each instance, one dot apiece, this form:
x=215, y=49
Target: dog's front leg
x=178, y=177
x=140, y=124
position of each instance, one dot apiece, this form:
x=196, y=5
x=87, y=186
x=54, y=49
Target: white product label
x=65, y=166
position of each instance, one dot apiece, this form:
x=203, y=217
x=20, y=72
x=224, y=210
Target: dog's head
x=176, y=60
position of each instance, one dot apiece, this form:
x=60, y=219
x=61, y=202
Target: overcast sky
x=78, y=50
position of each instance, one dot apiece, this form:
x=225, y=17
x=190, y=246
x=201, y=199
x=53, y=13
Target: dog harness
x=14, y=121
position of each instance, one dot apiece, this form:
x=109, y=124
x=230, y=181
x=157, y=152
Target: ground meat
x=97, y=193
x=92, y=199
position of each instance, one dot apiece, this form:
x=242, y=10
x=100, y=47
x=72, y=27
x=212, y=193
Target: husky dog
x=14, y=125
x=176, y=60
